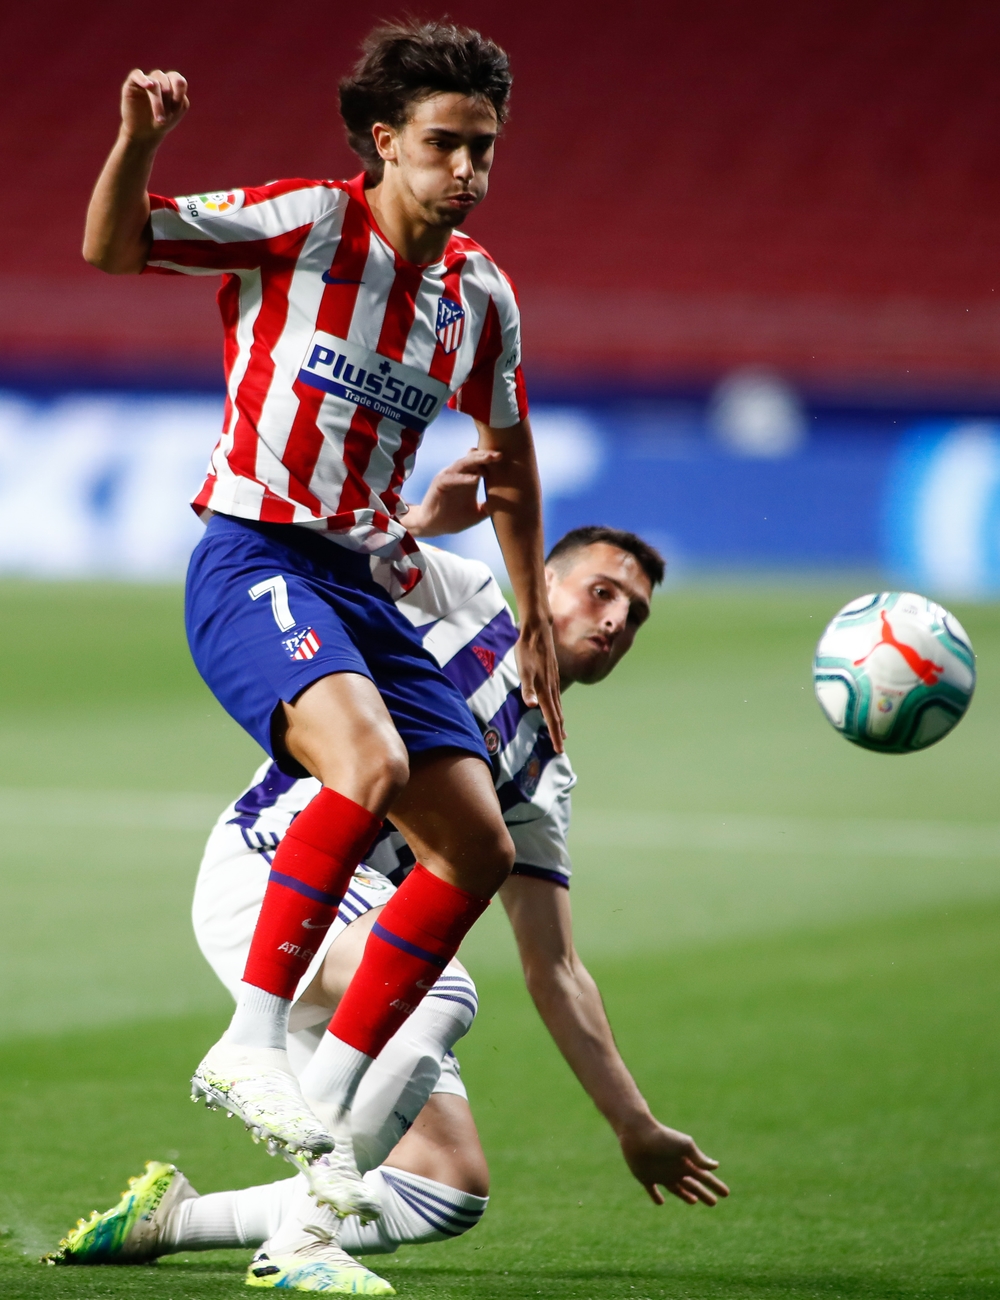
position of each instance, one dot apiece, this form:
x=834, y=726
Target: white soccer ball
x=894, y=672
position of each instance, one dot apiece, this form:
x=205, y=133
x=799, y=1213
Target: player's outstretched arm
x=117, y=238
x=451, y=503
x=514, y=496
x=570, y=1004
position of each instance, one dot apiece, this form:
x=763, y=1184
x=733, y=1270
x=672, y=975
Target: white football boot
x=335, y=1182
x=304, y=1254
x=316, y=1266
x=257, y=1084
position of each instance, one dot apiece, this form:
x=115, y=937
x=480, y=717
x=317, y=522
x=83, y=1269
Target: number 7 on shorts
x=277, y=588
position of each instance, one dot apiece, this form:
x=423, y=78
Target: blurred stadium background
x=756, y=249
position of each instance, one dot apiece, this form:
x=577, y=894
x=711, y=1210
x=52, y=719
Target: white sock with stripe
x=397, y=1085
x=391, y=1095
x=331, y=1079
x=229, y=1220
x=414, y=1210
x=305, y=1222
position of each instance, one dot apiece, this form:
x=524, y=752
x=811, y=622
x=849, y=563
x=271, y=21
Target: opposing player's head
x=423, y=107
x=600, y=581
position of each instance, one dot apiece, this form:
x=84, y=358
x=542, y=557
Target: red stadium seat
x=682, y=188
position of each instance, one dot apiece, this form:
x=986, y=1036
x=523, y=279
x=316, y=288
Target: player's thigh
x=291, y=631
x=340, y=730
x=266, y=623
x=451, y=818
x=444, y=1145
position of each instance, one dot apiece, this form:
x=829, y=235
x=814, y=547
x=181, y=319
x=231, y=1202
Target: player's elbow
x=112, y=263
x=114, y=256
x=94, y=255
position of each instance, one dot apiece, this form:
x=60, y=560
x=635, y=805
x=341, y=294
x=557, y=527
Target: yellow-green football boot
x=129, y=1232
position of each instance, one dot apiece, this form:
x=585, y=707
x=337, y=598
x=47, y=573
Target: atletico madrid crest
x=302, y=645
x=450, y=324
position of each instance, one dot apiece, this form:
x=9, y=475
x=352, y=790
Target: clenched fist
x=152, y=104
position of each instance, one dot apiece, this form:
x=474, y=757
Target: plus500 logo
x=407, y=396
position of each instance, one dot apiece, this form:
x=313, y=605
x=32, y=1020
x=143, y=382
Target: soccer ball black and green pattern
x=894, y=672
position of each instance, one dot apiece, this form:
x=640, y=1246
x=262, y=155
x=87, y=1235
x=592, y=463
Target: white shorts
x=228, y=895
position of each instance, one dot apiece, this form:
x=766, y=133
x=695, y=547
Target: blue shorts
x=272, y=608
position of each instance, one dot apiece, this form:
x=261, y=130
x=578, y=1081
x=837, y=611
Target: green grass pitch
x=797, y=941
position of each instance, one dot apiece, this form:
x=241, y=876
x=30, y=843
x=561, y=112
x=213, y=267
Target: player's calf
x=454, y=814
x=443, y=1145
x=247, y=1072
x=415, y=1074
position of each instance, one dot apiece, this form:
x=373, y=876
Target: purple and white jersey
x=462, y=618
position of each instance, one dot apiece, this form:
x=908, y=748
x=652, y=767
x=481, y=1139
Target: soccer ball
x=894, y=672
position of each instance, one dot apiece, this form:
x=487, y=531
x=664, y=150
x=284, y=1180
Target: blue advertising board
x=97, y=484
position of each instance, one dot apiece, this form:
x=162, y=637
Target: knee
x=475, y=1179
x=389, y=769
x=506, y=854
x=454, y=996
x=376, y=775
x=495, y=855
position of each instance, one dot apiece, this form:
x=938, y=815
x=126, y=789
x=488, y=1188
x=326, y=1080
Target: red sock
x=309, y=874
x=410, y=944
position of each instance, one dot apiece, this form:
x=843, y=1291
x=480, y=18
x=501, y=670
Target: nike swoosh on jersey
x=307, y=924
x=422, y=985
x=332, y=279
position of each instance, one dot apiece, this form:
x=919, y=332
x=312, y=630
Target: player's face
x=441, y=157
x=598, y=605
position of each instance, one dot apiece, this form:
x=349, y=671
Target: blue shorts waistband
x=321, y=549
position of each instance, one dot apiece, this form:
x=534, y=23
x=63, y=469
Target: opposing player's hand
x=539, y=669
x=661, y=1157
x=451, y=503
x=152, y=104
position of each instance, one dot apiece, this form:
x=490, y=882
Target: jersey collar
x=355, y=187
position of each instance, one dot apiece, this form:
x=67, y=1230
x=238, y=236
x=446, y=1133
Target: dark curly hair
x=404, y=62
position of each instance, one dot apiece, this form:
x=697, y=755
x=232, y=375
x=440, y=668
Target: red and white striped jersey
x=338, y=354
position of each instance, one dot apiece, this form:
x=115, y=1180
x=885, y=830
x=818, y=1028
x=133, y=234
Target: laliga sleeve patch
x=198, y=206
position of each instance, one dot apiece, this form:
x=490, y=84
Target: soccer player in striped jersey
x=352, y=311
x=423, y=1162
